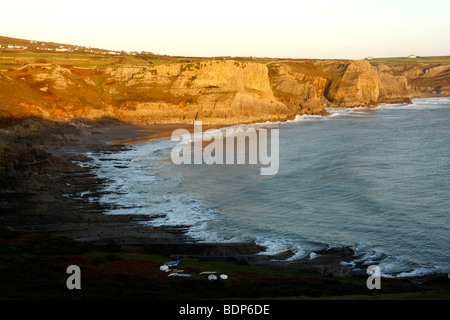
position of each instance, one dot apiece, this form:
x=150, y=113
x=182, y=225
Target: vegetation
x=10, y=60
x=34, y=267
x=15, y=60
x=406, y=60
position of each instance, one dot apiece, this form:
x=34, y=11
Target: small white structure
x=412, y=56
x=164, y=268
x=212, y=277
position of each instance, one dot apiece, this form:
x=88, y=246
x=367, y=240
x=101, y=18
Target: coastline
x=56, y=200
x=46, y=185
x=58, y=203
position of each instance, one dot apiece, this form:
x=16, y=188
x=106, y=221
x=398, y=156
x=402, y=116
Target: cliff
x=315, y=84
x=426, y=79
x=214, y=91
x=299, y=88
x=211, y=91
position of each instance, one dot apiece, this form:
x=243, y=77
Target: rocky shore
x=47, y=186
x=46, y=183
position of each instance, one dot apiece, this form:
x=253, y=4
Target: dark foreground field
x=34, y=267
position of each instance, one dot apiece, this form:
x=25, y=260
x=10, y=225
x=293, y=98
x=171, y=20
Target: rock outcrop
x=311, y=85
x=302, y=92
x=392, y=88
x=357, y=85
x=425, y=79
x=211, y=91
x=214, y=91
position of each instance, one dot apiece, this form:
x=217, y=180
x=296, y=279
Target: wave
x=278, y=244
x=419, y=104
x=305, y=117
x=141, y=182
x=167, y=205
x=418, y=272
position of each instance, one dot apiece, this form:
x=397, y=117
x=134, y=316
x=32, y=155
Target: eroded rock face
x=357, y=86
x=302, y=93
x=428, y=80
x=310, y=86
x=214, y=91
x=392, y=88
x=211, y=91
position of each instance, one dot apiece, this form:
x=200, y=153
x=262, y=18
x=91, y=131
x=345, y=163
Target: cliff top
x=54, y=80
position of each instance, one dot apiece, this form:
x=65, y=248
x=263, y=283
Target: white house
x=412, y=56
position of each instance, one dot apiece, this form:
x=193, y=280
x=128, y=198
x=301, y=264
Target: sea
x=376, y=179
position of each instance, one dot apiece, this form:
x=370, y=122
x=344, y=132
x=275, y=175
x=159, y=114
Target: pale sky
x=282, y=28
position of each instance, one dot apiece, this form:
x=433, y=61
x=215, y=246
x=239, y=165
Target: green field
x=10, y=60
x=406, y=60
x=15, y=60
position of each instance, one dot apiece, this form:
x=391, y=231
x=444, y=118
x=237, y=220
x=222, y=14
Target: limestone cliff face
x=211, y=91
x=214, y=91
x=362, y=84
x=393, y=88
x=358, y=85
x=310, y=86
x=302, y=92
x=426, y=79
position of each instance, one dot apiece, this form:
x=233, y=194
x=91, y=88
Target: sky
x=345, y=29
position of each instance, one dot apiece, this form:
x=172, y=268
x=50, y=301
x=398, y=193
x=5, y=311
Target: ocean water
x=375, y=179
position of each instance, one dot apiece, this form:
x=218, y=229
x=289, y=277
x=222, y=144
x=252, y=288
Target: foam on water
x=418, y=272
x=142, y=181
x=275, y=245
